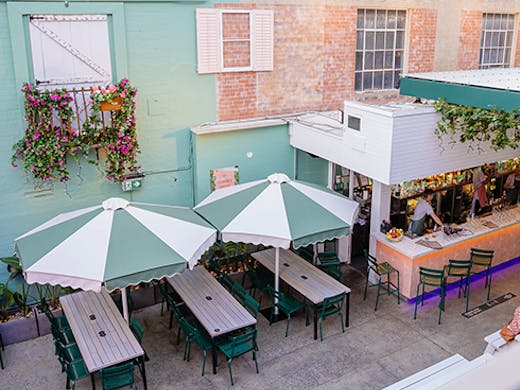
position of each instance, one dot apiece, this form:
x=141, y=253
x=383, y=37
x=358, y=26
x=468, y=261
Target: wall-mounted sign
x=223, y=177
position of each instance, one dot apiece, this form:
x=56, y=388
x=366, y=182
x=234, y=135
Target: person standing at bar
x=422, y=209
x=479, y=191
x=512, y=186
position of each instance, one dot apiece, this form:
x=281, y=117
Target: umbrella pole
x=276, y=276
x=124, y=301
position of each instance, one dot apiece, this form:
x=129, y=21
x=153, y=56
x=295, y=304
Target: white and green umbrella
x=114, y=245
x=277, y=211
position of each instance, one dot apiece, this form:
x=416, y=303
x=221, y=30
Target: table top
x=103, y=337
x=215, y=308
x=307, y=279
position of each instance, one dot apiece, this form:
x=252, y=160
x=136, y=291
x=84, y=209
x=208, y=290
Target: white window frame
x=394, y=49
x=485, y=33
x=222, y=40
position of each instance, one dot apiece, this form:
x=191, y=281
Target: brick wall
x=313, y=63
x=421, y=39
x=516, y=61
x=469, y=39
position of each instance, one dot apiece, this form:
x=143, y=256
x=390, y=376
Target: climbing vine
x=475, y=125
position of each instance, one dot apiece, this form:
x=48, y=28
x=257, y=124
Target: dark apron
x=417, y=227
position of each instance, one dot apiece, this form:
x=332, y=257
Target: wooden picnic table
x=213, y=306
x=311, y=282
x=104, y=338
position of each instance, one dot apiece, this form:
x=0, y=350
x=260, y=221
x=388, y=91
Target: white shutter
x=208, y=40
x=263, y=37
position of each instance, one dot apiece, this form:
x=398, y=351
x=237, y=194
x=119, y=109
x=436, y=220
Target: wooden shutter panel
x=208, y=40
x=263, y=37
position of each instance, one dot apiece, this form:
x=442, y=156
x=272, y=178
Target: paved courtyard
x=377, y=349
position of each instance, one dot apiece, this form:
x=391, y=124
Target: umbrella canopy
x=115, y=244
x=277, y=211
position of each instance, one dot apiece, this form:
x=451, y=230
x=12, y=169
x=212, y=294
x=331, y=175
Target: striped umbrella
x=277, y=211
x=114, y=245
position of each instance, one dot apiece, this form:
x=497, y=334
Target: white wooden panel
x=417, y=152
x=263, y=36
x=70, y=50
x=208, y=40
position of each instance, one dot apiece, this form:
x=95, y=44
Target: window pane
x=380, y=40
x=360, y=18
x=500, y=55
x=378, y=80
x=369, y=40
x=235, y=26
x=493, y=57
x=367, y=80
x=396, y=79
x=369, y=60
x=401, y=18
x=398, y=62
x=509, y=39
x=502, y=38
x=359, y=60
x=399, y=40
x=358, y=81
x=370, y=16
x=389, y=59
x=486, y=56
x=378, y=60
x=389, y=41
x=392, y=19
x=359, y=40
x=236, y=54
x=388, y=80
x=503, y=22
x=495, y=39
x=510, y=22
x=381, y=19
x=507, y=57
x=487, y=21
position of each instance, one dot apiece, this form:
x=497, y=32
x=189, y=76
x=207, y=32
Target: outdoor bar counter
x=501, y=235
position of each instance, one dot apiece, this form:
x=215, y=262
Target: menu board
x=223, y=177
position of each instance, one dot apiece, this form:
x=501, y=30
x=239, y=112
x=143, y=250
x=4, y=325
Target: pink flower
x=15, y=165
x=112, y=89
x=54, y=97
x=91, y=101
x=31, y=169
x=95, y=89
x=123, y=94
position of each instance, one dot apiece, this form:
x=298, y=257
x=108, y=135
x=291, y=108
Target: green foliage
x=6, y=301
x=50, y=139
x=119, y=140
x=13, y=266
x=476, y=125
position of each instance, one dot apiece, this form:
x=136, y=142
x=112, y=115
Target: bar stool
x=433, y=278
x=482, y=258
x=380, y=270
x=459, y=269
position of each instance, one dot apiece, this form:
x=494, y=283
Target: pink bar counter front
x=407, y=256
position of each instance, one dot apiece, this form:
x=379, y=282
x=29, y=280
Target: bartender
x=512, y=186
x=422, y=209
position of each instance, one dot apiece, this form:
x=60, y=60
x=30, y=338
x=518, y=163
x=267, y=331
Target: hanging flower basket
x=113, y=105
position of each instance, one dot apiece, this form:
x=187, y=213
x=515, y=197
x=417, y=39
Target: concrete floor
x=378, y=349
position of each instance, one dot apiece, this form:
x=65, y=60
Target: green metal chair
x=260, y=278
x=195, y=335
x=239, y=292
x=482, y=258
x=238, y=346
x=380, y=270
x=59, y=322
x=459, y=269
x=330, y=306
x=227, y=282
x=286, y=304
x=76, y=370
x=118, y=376
x=252, y=305
x=330, y=263
x=137, y=330
x=433, y=278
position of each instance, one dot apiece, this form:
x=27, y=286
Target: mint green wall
x=269, y=145
x=154, y=45
x=311, y=168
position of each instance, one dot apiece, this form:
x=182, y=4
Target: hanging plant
x=118, y=138
x=475, y=125
x=49, y=137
